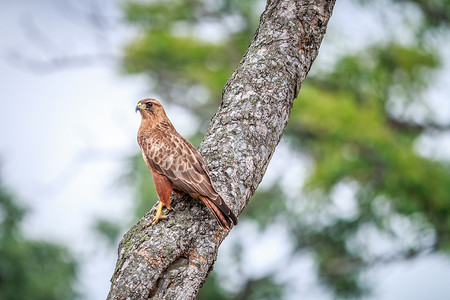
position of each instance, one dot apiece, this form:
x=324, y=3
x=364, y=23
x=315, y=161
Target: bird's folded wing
x=173, y=157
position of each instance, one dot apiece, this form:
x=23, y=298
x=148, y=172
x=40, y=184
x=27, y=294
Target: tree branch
x=172, y=259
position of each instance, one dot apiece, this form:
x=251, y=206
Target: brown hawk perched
x=175, y=164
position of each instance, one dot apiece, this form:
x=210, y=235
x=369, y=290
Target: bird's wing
x=171, y=155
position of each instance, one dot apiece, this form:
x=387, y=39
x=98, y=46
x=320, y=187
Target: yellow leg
x=158, y=215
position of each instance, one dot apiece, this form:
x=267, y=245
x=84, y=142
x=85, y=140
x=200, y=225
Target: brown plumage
x=176, y=165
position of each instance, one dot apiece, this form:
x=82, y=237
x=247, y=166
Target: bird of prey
x=176, y=165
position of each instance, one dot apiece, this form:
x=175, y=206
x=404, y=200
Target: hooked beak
x=138, y=107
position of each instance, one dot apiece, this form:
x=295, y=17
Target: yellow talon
x=158, y=215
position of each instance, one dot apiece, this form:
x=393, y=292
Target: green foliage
x=435, y=13
x=177, y=57
x=31, y=269
x=344, y=121
x=254, y=289
x=140, y=176
x=266, y=205
x=193, y=62
x=109, y=230
x=212, y=290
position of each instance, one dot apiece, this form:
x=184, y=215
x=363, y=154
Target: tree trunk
x=172, y=259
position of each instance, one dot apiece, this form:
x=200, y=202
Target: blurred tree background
x=31, y=269
x=370, y=195
x=355, y=183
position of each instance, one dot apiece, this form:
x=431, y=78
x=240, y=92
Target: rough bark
x=172, y=259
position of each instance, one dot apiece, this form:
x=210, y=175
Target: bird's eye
x=149, y=104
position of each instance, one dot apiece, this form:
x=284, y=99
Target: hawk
x=176, y=165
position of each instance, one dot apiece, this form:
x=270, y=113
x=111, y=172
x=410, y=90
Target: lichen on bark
x=172, y=259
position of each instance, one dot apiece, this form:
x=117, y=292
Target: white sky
x=64, y=140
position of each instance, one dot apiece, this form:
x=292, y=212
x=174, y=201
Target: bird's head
x=150, y=108
x=152, y=112
x=148, y=105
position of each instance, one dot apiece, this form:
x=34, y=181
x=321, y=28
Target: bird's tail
x=221, y=211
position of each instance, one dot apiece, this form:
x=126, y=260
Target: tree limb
x=172, y=259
